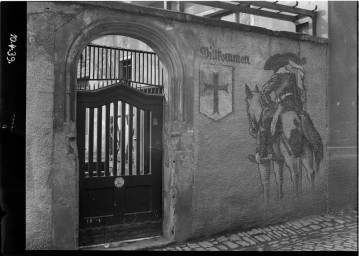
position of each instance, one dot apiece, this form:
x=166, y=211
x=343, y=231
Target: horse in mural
x=295, y=143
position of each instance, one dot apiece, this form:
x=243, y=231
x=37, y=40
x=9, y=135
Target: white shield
x=215, y=90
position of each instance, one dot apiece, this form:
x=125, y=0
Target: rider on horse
x=285, y=83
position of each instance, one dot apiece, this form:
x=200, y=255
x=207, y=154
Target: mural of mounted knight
x=283, y=129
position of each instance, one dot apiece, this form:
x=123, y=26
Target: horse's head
x=254, y=107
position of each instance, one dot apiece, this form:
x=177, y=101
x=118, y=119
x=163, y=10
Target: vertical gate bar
x=127, y=67
x=139, y=68
x=147, y=70
x=98, y=64
x=110, y=65
x=90, y=59
x=135, y=70
x=138, y=140
x=85, y=61
x=146, y=140
x=99, y=140
x=107, y=136
x=101, y=72
x=155, y=68
x=132, y=71
x=94, y=62
x=125, y=64
x=130, y=138
x=102, y=66
x=91, y=134
x=115, y=118
x=162, y=76
x=121, y=62
x=158, y=63
x=151, y=67
x=103, y=62
x=81, y=65
x=123, y=138
x=114, y=64
x=143, y=67
x=106, y=74
x=119, y=65
x=89, y=62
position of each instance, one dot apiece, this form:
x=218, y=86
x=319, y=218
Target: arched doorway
x=120, y=94
x=66, y=167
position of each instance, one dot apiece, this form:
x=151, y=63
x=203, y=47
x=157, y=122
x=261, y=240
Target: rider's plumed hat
x=279, y=60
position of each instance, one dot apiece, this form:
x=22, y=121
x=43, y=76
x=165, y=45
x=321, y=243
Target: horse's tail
x=313, y=138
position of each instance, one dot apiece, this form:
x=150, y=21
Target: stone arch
x=156, y=38
x=65, y=165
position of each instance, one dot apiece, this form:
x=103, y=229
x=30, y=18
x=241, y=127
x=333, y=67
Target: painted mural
x=283, y=129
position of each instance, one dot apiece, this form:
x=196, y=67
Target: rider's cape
x=313, y=137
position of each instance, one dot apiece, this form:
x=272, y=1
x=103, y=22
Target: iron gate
x=119, y=126
x=100, y=66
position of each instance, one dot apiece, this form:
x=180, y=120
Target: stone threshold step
x=130, y=245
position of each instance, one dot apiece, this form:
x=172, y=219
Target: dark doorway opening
x=119, y=127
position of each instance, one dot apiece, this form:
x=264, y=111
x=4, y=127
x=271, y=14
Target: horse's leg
x=308, y=162
x=299, y=164
x=292, y=164
x=277, y=167
x=278, y=171
x=264, y=170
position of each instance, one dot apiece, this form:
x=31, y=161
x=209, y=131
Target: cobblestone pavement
x=328, y=232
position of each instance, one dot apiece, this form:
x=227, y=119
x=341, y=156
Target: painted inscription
x=214, y=54
x=215, y=90
x=283, y=129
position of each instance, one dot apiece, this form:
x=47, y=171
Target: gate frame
x=66, y=58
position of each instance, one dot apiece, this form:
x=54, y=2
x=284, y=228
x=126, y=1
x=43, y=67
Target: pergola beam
x=279, y=7
x=218, y=14
x=245, y=9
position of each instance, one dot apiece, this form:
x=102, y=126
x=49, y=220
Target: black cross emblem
x=215, y=87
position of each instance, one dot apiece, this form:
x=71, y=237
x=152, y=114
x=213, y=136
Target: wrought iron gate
x=119, y=126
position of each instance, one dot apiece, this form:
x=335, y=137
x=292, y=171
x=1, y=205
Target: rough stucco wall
x=43, y=20
x=343, y=92
x=227, y=186
x=210, y=186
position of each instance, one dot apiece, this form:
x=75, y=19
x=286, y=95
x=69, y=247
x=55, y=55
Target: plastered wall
x=209, y=184
x=227, y=186
x=343, y=107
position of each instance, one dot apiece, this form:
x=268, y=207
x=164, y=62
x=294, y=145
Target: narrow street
x=329, y=232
